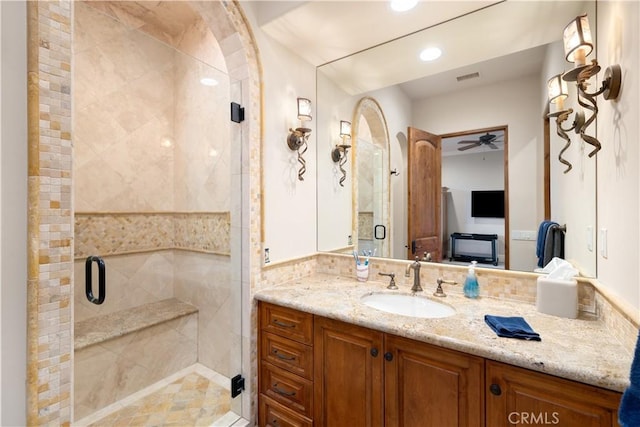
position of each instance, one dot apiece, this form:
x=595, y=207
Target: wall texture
x=618, y=172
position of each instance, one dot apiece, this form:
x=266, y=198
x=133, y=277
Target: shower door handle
x=88, y=270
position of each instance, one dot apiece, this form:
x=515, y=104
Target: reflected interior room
x=320, y=213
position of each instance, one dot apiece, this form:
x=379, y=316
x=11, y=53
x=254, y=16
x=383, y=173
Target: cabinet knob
x=374, y=352
x=388, y=356
x=495, y=389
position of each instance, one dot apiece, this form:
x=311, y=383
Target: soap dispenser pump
x=471, y=288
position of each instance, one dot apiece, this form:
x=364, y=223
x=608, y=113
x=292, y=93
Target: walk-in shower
x=154, y=152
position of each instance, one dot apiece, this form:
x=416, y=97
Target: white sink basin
x=407, y=305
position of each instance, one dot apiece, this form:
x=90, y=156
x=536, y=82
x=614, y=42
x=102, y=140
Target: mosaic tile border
x=118, y=233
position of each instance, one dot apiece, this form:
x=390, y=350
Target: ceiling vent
x=468, y=76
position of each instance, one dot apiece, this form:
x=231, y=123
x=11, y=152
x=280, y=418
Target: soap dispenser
x=471, y=288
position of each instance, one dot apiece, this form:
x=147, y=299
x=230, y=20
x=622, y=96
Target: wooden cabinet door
x=517, y=396
x=348, y=363
x=429, y=386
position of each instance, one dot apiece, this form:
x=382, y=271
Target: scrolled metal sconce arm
x=609, y=90
x=297, y=141
x=561, y=117
x=339, y=155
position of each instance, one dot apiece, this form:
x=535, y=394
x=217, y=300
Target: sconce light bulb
x=577, y=40
x=345, y=129
x=304, y=109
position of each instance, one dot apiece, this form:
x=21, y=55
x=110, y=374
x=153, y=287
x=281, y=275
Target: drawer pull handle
x=388, y=356
x=282, y=357
x=282, y=392
x=274, y=422
x=283, y=324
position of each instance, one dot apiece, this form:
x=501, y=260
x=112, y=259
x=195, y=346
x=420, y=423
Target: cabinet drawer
x=272, y=414
x=287, y=354
x=287, y=322
x=286, y=388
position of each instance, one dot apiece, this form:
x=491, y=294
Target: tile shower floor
x=196, y=396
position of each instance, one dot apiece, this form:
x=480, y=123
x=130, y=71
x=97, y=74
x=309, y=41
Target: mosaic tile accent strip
x=50, y=222
x=204, y=232
x=122, y=233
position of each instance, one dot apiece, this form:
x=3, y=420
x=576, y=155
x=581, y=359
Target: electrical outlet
x=603, y=243
x=527, y=235
x=349, y=240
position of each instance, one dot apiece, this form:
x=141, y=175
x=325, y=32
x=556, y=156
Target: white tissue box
x=557, y=297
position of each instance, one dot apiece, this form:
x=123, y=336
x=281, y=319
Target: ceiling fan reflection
x=488, y=140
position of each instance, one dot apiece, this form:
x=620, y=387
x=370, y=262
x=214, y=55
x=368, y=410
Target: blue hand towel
x=511, y=327
x=540, y=243
x=629, y=411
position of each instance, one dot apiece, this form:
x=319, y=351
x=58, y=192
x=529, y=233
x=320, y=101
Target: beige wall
x=619, y=160
x=13, y=226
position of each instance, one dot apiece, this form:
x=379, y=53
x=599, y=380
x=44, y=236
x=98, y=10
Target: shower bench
x=120, y=353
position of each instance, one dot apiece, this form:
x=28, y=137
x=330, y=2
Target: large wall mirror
x=484, y=101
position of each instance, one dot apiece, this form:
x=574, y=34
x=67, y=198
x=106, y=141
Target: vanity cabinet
x=315, y=371
x=518, y=396
x=430, y=386
x=285, y=371
x=348, y=367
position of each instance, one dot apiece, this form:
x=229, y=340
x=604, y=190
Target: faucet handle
x=392, y=282
x=439, y=292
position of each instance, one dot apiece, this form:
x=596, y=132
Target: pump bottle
x=471, y=288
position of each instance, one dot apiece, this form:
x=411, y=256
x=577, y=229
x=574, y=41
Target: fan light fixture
x=339, y=153
x=488, y=139
x=297, y=139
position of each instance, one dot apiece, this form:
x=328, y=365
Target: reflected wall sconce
x=557, y=92
x=578, y=44
x=339, y=153
x=297, y=139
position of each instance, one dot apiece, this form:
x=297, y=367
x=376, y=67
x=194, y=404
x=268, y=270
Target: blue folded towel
x=629, y=411
x=511, y=327
x=542, y=237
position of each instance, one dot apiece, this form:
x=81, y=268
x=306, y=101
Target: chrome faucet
x=416, y=275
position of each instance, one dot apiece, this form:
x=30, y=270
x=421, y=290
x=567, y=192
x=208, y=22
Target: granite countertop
x=576, y=349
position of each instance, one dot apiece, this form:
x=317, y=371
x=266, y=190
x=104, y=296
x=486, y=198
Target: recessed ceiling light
x=403, y=5
x=208, y=81
x=430, y=53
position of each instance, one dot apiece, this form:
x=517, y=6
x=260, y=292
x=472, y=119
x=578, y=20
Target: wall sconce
x=339, y=154
x=557, y=92
x=297, y=139
x=578, y=44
